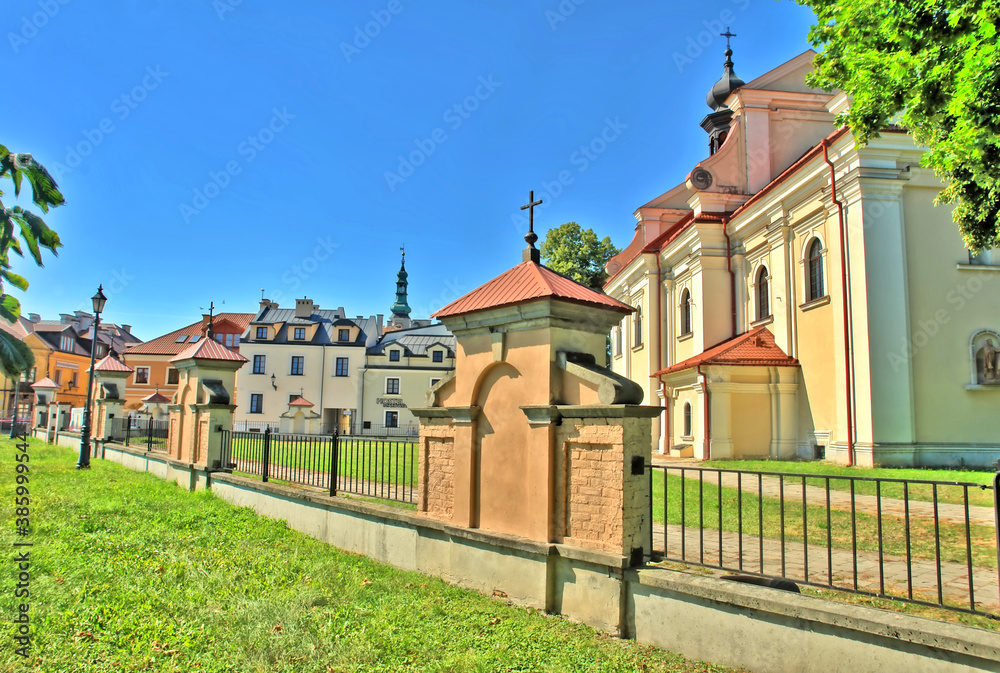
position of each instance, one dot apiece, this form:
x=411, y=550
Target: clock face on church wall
x=701, y=178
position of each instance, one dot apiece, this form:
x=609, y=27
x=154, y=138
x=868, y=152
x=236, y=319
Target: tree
x=34, y=234
x=578, y=253
x=933, y=67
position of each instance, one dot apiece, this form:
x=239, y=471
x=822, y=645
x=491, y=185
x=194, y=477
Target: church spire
x=716, y=123
x=401, y=309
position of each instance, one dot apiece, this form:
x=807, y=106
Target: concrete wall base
x=970, y=456
x=762, y=629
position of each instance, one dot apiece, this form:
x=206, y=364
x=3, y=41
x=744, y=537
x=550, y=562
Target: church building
x=798, y=296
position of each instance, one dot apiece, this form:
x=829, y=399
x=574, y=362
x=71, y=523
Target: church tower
x=401, y=310
x=716, y=123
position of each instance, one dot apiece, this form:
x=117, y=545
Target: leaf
x=17, y=281
x=45, y=192
x=35, y=233
x=16, y=176
x=10, y=308
x=15, y=356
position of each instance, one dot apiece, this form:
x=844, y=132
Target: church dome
x=728, y=83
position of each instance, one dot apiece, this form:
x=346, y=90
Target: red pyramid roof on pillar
x=208, y=349
x=45, y=383
x=301, y=402
x=111, y=364
x=156, y=398
x=525, y=282
x=756, y=347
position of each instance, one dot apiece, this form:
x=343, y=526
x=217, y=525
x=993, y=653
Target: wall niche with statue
x=984, y=351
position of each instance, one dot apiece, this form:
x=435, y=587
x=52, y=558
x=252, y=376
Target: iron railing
x=140, y=432
x=254, y=426
x=409, y=430
x=918, y=541
x=382, y=469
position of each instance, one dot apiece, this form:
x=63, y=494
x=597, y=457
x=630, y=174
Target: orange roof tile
x=156, y=398
x=111, y=364
x=208, y=349
x=301, y=402
x=756, y=347
x=168, y=345
x=525, y=282
x=45, y=383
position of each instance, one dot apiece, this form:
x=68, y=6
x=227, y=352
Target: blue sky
x=207, y=149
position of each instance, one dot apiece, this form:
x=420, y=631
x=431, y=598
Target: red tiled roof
x=756, y=347
x=45, y=383
x=208, y=349
x=16, y=329
x=167, y=344
x=156, y=398
x=110, y=364
x=618, y=263
x=525, y=282
x=301, y=402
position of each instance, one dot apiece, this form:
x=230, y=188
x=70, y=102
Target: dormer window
x=300, y=333
x=394, y=356
x=344, y=335
x=261, y=332
x=437, y=356
x=66, y=343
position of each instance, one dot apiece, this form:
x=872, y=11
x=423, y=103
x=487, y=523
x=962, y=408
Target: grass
x=131, y=573
x=953, y=548
x=977, y=496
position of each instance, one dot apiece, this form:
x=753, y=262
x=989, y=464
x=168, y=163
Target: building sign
x=67, y=365
x=391, y=402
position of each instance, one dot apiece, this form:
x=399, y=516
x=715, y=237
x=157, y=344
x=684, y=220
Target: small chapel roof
x=526, y=282
x=112, y=364
x=156, y=398
x=756, y=347
x=208, y=349
x=301, y=402
x=45, y=384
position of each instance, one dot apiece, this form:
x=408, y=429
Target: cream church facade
x=800, y=297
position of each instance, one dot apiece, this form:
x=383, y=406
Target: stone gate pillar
x=532, y=436
x=110, y=377
x=203, y=403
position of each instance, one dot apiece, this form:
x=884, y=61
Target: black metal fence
x=382, y=469
x=141, y=432
x=254, y=426
x=928, y=542
x=409, y=430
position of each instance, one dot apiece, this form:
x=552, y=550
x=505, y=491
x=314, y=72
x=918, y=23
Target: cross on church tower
x=210, y=332
x=531, y=253
x=727, y=35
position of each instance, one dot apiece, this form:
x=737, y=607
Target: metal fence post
x=128, y=429
x=334, y=462
x=267, y=453
x=149, y=434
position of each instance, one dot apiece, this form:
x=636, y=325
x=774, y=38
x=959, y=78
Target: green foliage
x=933, y=67
x=578, y=253
x=132, y=573
x=18, y=226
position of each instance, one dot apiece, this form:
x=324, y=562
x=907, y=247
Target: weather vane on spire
x=531, y=252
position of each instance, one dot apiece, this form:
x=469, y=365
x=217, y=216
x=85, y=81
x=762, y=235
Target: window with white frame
x=259, y=364
x=394, y=356
x=437, y=356
x=763, y=294
x=392, y=386
x=685, y=306
x=342, y=366
x=66, y=343
x=434, y=382
x=814, y=270
x=687, y=419
x=256, y=403
x=298, y=365
x=261, y=332
x=300, y=333
x=172, y=376
x=637, y=326
x=142, y=376
x=392, y=419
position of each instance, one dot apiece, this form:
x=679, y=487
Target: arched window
x=814, y=265
x=685, y=312
x=687, y=419
x=637, y=327
x=763, y=294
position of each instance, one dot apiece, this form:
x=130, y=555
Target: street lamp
x=99, y=300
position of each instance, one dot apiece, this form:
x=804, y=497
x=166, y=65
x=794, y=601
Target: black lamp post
x=99, y=300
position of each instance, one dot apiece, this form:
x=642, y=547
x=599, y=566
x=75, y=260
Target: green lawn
x=950, y=494
x=922, y=545
x=388, y=461
x=131, y=573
